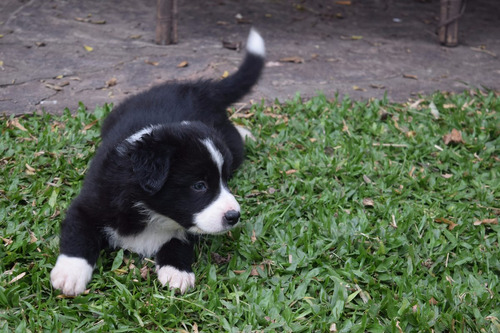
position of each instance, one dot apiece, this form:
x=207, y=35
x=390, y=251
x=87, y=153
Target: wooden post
x=451, y=10
x=166, y=22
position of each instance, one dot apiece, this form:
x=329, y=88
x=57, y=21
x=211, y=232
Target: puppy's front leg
x=173, y=264
x=79, y=248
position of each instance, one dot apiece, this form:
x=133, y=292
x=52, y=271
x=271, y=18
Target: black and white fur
x=159, y=177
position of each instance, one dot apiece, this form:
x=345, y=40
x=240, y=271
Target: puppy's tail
x=235, y=86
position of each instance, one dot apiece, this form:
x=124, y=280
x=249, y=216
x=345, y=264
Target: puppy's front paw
x=175, y=278
x=71, y=275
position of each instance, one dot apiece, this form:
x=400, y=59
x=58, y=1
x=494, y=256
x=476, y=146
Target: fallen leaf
x=53, y=86
x=30, y=170
x=182, y=64
x=144, y=272
x=446, y=175
x=409, y=76
x=433, y=301
x=343, y=2
x=17, y=278
x=366, y=179
x=90, y=125
x=239, y=271
x=225, y=74
x=333, y=328
x=88, y=48
x=449, y=106
x=434, y=110
x=451, y=224
x=296, y=59
x=150, y=62
x=486, y=221
x=291, y=171
x=15, y=122
x=368, y=202
x=352, y=37
x=377, y=86
x=415, y=104
x=358, y=88
x=135, y=36
x=253, y=238
x=111, y=82
x=236, y=46
x=33, y=238
x=454, y=137
x=254, y=271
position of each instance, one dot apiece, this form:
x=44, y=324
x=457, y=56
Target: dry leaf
x=486, y=221
x=33, y=238
x=239, y=271
x=88, y=48
x=449, y=106
x=254, y=271
x=451, y=224
x=17, y=278
x=144, y=272
x=291, y=171
x=53, y=86
x=111, y=82
x=434, y=110
x=433, y=301
x=333, y=328
x=150, y=62
x=225, y=74
x=358, y=88
x=352, y=37
x=296, y=60
x=30, y=170
x=253, y=238
x=183, y=64
x=415, y=104
x=90, y=125
x=135, y=36
x=454, y=137
x=343, y=2
x=366, y=179
x=15, y=122
x=231, y=45
x=368, y=202
x=409, y=76
x=447, y=175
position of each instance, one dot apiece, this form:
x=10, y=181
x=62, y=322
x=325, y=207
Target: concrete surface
x=55, y=53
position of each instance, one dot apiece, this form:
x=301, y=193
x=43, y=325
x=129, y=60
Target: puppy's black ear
x=151, y=169
x=150, y=164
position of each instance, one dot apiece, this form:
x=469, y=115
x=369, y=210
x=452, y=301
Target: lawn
x=356, y=217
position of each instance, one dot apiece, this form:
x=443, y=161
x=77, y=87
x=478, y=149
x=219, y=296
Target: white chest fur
x=159, y=230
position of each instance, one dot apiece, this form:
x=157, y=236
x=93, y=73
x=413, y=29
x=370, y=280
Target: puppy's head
x=182, y=172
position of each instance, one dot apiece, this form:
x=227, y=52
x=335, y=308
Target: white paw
x=175, y=278
x=71, y=275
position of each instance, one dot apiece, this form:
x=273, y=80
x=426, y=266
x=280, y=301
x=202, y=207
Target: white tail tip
x=255, y=43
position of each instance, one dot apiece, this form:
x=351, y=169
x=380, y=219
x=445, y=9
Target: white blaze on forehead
x=214, y=153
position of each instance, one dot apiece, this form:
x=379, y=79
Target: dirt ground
x=56, y=53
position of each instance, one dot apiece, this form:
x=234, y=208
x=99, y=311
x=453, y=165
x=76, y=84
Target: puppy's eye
x=200, y=186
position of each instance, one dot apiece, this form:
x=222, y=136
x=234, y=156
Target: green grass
x=341, y=229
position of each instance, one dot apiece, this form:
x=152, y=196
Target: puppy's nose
x=232, y=217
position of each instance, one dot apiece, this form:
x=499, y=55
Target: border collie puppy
x=159, y=178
